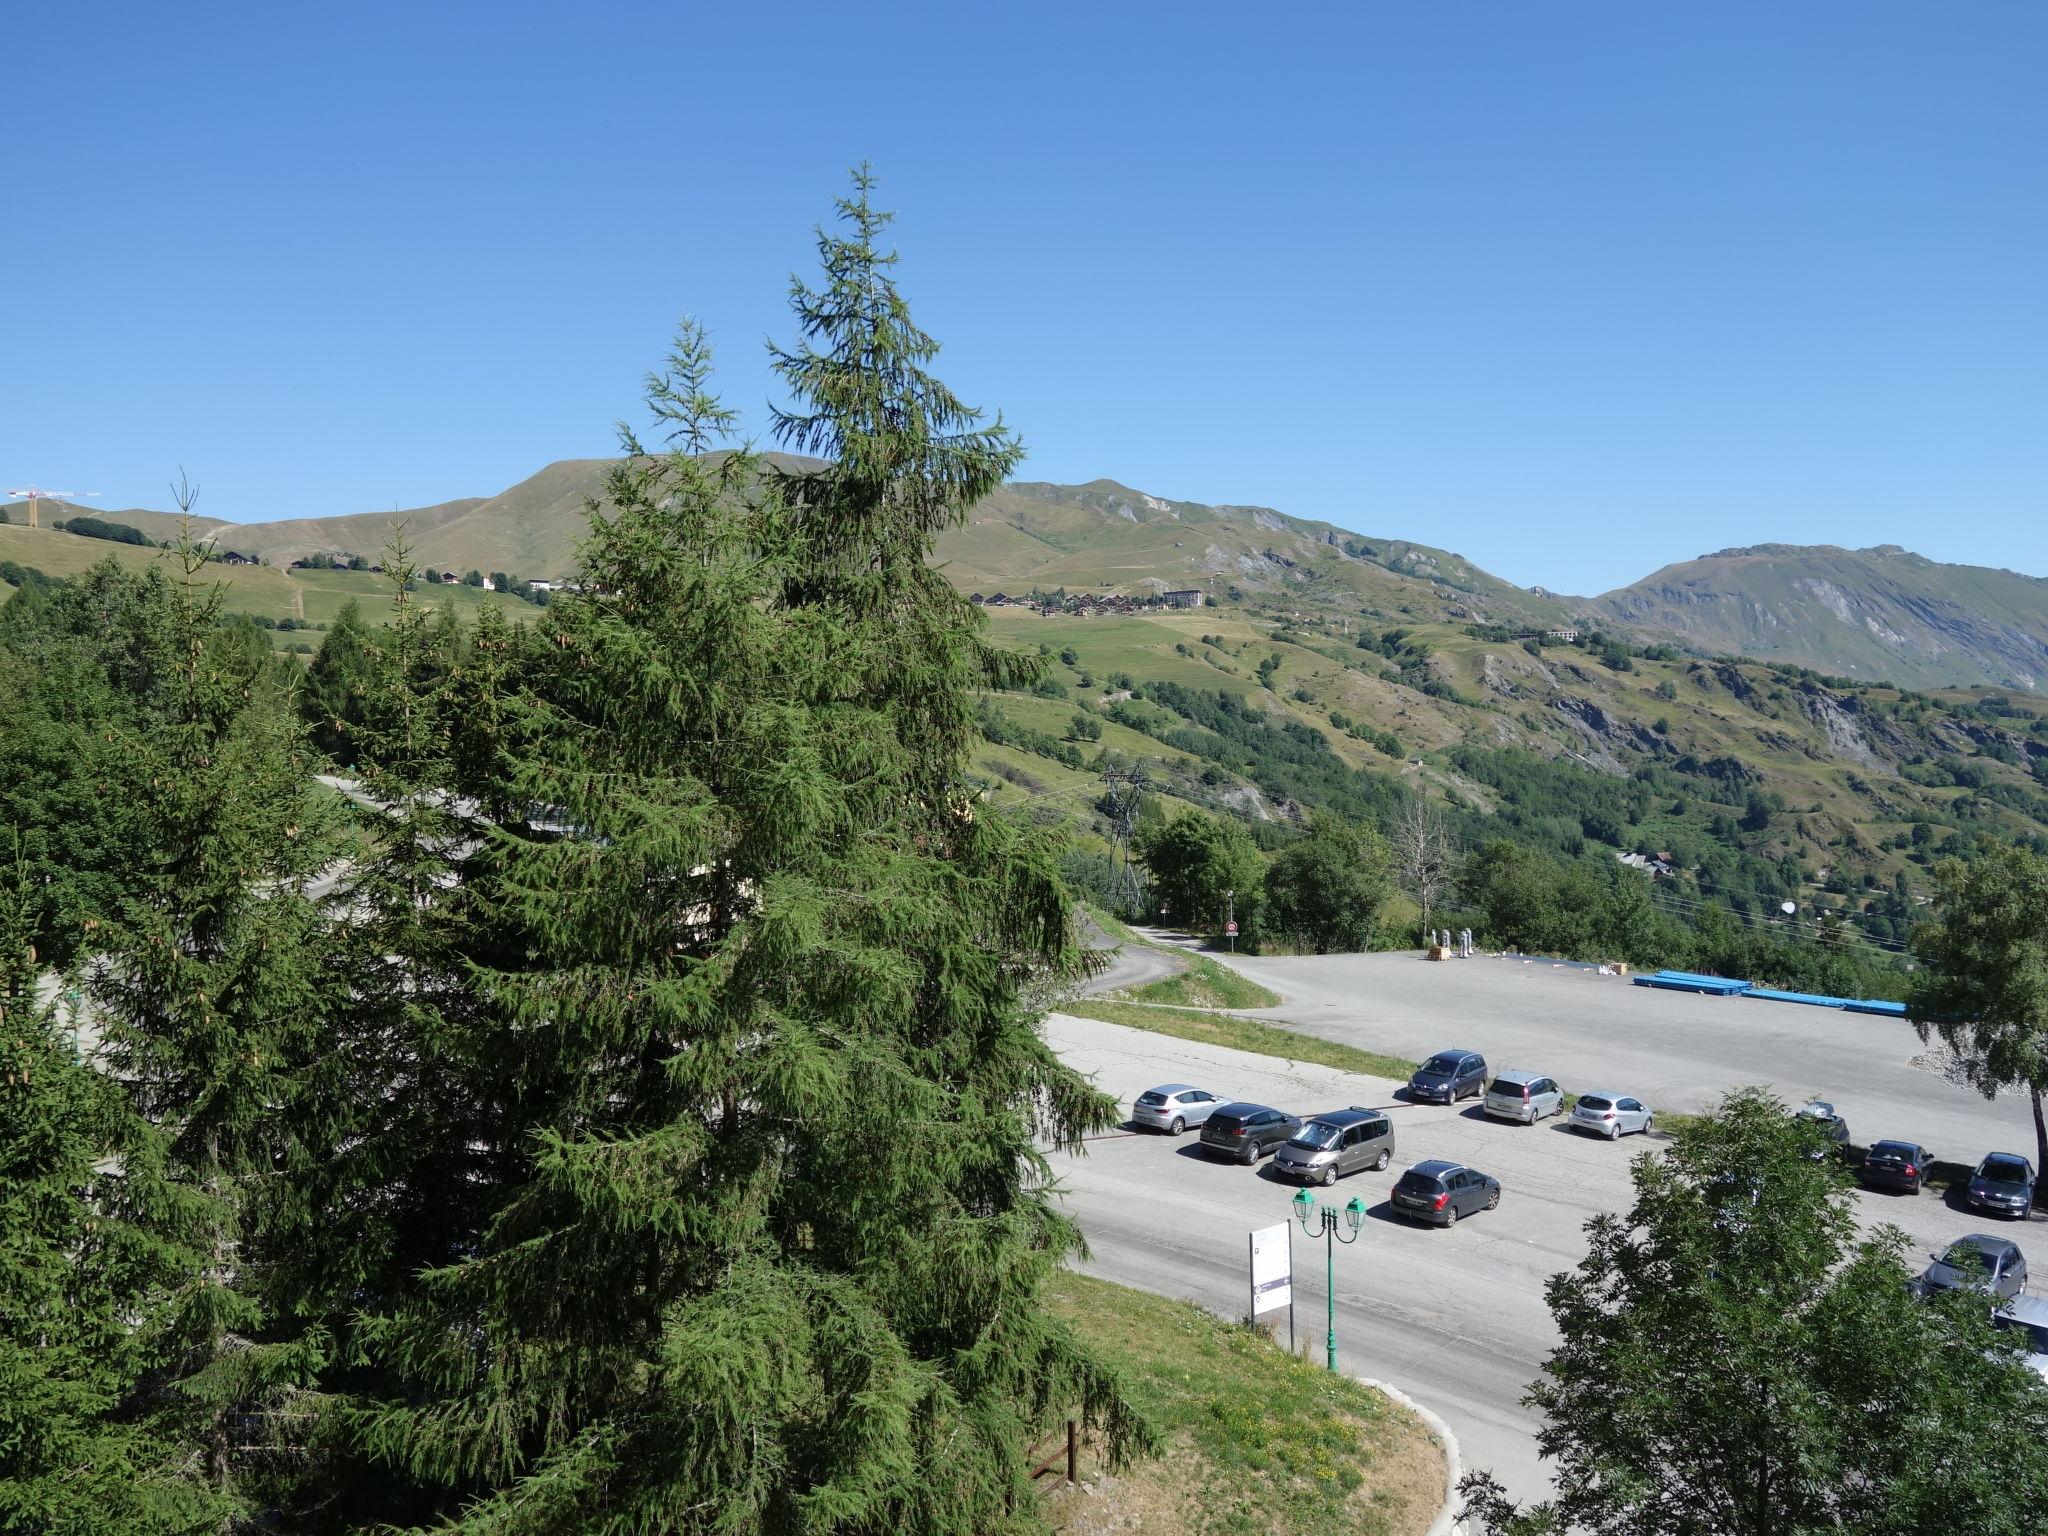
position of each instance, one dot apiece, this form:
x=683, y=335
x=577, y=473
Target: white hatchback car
x=1173, y=1107
x=1610, y=1114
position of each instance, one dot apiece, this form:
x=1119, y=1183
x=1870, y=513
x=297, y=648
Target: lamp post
x=1323, y=1223
x=1230, y=918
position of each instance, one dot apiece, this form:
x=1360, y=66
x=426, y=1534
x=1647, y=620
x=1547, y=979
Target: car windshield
x=1964, y=1256
x=2005, y=1170
x=1445, y=1065
x=1594, y=1101
x=1317, y=1135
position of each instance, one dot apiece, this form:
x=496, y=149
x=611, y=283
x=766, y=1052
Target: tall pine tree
x=772, y=1218
x=91, y=1255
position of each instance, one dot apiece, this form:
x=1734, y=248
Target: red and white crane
x=35, y=493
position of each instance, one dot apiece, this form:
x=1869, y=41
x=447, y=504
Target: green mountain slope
x=1882, y=614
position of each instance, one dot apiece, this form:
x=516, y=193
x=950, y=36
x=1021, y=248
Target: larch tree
x=90, y=1258
x=772, y=1215
x=209, y=990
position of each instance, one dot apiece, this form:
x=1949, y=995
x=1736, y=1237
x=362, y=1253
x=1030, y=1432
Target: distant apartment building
x=1193, y=597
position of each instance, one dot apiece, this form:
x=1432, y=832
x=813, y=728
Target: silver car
x=1173, y=1107
x=1523, y=1096
x=1610, y=1114
x=2027, y=1316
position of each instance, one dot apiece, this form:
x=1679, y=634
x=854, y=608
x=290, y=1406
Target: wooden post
x=1073, y=1454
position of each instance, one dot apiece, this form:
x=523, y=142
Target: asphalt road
x=1457, y=1317
x=1130, y=965
x=1678, y=1050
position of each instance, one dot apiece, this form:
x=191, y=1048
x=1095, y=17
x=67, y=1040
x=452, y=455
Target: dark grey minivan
x=1247, y=1132
x=1329, y=1146
x=1449, y=1076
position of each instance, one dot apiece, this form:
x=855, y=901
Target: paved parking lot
x=1456, y=1317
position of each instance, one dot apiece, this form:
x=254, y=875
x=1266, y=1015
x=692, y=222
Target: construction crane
x=34, y=494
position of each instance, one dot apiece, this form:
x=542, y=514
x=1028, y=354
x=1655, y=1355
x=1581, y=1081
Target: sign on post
x=1230, y=929
x=1273, y=1274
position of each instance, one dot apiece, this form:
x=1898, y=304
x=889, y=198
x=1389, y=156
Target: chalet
x=451, y=577
x=977, y=598
x=1657, y=866
x=1193, y=597
x=1000, y=600
x=236, y=557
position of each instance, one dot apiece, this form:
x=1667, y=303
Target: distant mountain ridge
x=1877, y=614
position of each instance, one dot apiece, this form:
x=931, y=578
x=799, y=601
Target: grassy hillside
x=1764, y=782
x=263, y=592
x=1096, y=537
x=1881, y=614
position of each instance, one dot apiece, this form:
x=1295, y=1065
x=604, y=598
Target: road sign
x=1230, y=930
x=1272, y=1269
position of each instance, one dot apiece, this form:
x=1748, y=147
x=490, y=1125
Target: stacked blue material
x=1871, y=1005
x=1688, y=981
x=1773, y=995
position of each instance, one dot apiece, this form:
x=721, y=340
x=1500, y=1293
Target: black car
x=1247, y=1132
x=1900, y=1165
x=2004, y=1183
x=1833, y=1127
x=1440, y=1192
x=1449, y=1076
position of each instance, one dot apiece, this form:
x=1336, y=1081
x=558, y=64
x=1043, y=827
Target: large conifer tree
x=771, y=1217
x=89, y=1258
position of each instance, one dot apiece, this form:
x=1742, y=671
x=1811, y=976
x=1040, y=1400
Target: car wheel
x=1251, y=1153
x=1614, y=1130
x=1493, y=1200
x=1329, y=1175
x=1380, y=1164
x=1177, y=1127
x=1648, y=1121
x=1450, y=1215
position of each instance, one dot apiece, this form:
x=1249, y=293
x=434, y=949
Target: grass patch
x=1255, y=1440
x=1240, y=1034
x=1205, y=984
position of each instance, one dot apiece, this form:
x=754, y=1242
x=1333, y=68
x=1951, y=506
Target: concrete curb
x=1446, y=1522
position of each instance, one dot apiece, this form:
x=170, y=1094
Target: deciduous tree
x=1984, y=988
x=1757, y=1368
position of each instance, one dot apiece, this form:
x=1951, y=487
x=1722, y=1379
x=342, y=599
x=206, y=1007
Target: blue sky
x=1572, y=289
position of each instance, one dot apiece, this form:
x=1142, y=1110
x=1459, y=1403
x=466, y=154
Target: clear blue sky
x=1572, y=289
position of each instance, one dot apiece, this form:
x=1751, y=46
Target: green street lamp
x=1323, y=1223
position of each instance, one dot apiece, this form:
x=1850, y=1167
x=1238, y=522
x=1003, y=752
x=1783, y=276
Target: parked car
x=1980, y=1262
x=1329, y=1146
x=1173, y=1107
x=1831, y=1122
x=1895, y=1165
x=2028, y=1317
x=1523, y=1096
x=1449, y=1076
x=1439, y=1191
x=1610, y=1114
x=1246, y=1132
x=2003, y=1182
